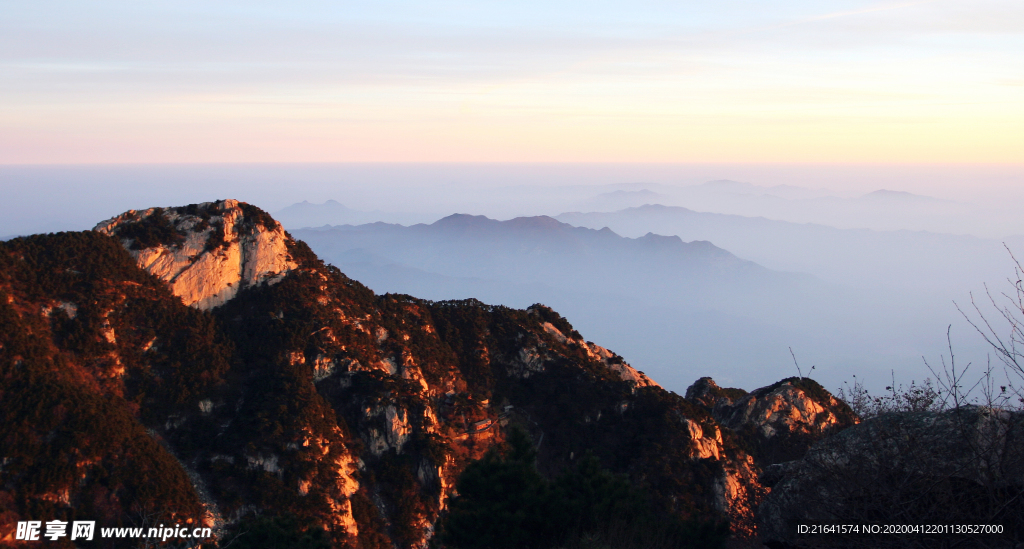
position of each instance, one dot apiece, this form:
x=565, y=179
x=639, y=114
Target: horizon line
x=504, y=163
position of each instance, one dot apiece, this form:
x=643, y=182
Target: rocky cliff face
x=239, y=375
x=779, y=421
x=206, y=252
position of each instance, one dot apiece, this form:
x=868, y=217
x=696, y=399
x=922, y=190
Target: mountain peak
x=206, y=252
x=536, y=222
x=465, y=221
x=460, y=219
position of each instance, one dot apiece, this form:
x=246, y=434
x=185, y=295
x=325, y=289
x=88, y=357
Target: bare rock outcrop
x=610, y=359
x=779, y=421
x=619, y=366
x=206, y=252
x=708, y=394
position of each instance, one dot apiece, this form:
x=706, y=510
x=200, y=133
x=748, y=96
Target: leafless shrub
x=1008, y=346
x=944, y=452
x=913, y=398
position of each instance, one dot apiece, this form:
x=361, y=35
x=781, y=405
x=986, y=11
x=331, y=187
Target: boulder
x=779, y=422
x=206, y=252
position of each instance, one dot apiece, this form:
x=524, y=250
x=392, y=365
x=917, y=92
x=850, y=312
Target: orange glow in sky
x=837, y=81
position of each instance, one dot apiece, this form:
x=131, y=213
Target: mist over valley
x=858, y=279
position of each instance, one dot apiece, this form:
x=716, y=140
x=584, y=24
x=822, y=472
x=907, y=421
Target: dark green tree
x=280, y=532
x=590, y=496
x=503, y=501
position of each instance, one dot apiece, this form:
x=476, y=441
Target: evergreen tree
x=503, y=501
x=280, y=532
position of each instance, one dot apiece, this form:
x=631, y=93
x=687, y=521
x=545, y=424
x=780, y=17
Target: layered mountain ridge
x=198, y=365
x=673, y=306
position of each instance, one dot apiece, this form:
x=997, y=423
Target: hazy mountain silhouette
x=880, y=210
x=542, y=250
x=332, y=212
x=622, y=198
x=912, y=260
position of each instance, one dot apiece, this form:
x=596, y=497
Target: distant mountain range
x=332, y=212
x=675, y=307
x=882, y=209
x=875, y=299
x=908, y=260
x=545, y=251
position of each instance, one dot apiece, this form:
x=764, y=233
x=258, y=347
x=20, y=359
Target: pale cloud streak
x=663, y=81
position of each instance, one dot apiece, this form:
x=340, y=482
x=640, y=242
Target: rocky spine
x=286, y=386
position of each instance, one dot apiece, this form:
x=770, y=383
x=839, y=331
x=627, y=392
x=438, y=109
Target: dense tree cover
x=66, y=265
x=256, y=217
x=150, y=231
x=171, y=353
x=70, y=452
x=642, y=433
x=408, y=499
x=90, y=346
x=279, y=332
x=112, y=353
x=282, y=531
x=503, y=502
x=468, y=345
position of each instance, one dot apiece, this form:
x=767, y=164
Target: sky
x=732, y=81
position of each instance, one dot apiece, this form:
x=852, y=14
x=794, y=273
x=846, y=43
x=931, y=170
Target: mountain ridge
x=827, y=252
x=310, y=395
x=513, y=241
